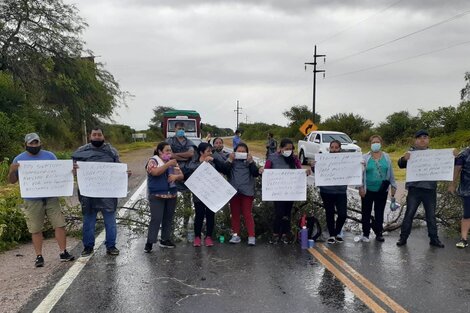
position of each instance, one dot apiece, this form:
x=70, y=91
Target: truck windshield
x=343, y=138
x=189, y=125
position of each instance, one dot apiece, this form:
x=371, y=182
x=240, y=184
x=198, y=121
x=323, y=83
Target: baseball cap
x=421, y=132
x=31, y=137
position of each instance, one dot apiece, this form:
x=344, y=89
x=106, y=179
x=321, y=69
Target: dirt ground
x=19, y=279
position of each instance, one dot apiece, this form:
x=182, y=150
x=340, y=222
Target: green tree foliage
x=399, y=125
x=216, y=131
x=297, y=115
x=465, y=92
x=116, y=133
x=352, y=124
x=157, y=119
x=438, y=122
x=259, y=131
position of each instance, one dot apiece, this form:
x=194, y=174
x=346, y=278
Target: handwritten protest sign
x=284, y=185
x=337, y=169
x=430, y=165
x=210, y=187
x=42, y=179
x=102, y=179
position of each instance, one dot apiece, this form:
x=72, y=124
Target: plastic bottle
x=190, y=235
x=393, y=204
x=304, y=237
x=171, y=171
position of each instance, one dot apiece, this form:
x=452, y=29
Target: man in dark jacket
x=98, y=151
x=419, y=192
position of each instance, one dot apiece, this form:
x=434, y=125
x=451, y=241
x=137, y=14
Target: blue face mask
x=180, y=133
x=375, y=147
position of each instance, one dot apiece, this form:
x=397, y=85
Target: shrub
x=13, y=228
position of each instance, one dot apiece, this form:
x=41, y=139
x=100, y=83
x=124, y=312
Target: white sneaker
x=235, y=239
x=365, y=239
x=251, y=241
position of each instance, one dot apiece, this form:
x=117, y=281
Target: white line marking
x=64, y=283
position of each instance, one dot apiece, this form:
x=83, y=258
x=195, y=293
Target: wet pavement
x=270, y=278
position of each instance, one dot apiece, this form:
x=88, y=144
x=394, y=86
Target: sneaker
x=274, y=240
x=166, y=244
x=339, y=239
x=380, y=238
x=39, y=261
x=148, y=247
x=197, y=242
x=401, y=242
x=87, y=252
x=112, y=251
x=235, y=239
x=251, y=241
x=331, y=240
x=208, y=241
x=436, y=243
x=65, y=256
x=285, y=240
x=462, y=244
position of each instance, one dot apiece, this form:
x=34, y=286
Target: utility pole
x=315, y=71
x=238, y=111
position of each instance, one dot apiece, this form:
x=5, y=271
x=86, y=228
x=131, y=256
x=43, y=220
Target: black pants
x=330, y=202
x=282, y=212
x=377, y=200
x=203, y=211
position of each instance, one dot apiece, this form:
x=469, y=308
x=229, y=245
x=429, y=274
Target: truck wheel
x=302, y=158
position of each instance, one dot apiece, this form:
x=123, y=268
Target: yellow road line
x=374, y=306
x=364, y=281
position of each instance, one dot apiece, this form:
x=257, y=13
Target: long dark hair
x=160, y=147
x=290, y=159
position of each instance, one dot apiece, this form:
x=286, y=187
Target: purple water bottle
x=304, y=237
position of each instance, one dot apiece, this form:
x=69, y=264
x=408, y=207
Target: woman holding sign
x=334, y=199
x=283, y=159
x=241, y=171
x=204, y=154
x=378, y=176
x=162, y=172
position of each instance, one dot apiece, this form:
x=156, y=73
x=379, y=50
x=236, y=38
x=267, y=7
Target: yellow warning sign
x=308, y=127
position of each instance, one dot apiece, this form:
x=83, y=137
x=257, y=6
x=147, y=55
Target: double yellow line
x=360, y=280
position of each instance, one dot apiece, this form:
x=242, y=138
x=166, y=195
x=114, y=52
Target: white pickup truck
x=319, y=142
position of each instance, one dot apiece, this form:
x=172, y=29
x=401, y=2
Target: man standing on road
x=419, y=192
x=36, y=209
x=462, y=169
x=98, y=151
x=271, y=145
x=236, y=140
x=182, y=149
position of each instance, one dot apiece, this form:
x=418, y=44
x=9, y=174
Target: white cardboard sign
x=430, y=165
x=284, y=185
x=338, y=169
x=102, y=179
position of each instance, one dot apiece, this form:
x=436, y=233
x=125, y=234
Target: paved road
x=351, y=277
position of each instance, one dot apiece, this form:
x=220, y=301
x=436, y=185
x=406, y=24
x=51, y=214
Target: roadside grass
x=128, y=147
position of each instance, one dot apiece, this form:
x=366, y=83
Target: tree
x=444, y=120
x=397, y=126
x=157, y=119
x=31, y=32
x=465, y=92
x=349, y=123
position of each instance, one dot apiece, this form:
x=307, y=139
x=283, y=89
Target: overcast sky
x=206, y=55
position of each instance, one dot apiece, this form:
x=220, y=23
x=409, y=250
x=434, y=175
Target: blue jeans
x=89, y=223
x=415, y=197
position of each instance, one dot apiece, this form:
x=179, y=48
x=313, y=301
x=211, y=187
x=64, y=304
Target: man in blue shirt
x=36, y=209
x=236, y=139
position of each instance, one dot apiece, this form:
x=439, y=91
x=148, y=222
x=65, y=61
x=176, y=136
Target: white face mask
x=287, y=153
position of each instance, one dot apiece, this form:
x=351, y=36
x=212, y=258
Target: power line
x=402, y=37
x=400, y=60
x=359, y=22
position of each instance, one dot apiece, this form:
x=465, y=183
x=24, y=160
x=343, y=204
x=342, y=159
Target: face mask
x=375, y=147
x=180, y=133
x=287, y=153
x=166, y=157
x=97, y=143
x=218, y=149
x=33, y=150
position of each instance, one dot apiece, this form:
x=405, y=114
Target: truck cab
x=190, y=118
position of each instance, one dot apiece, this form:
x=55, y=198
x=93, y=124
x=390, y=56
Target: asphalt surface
x=267, y=278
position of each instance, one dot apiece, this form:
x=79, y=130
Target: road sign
x=308, y=127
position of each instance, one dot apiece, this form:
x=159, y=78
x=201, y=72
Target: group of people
x=36, y=209
x=177, y=158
